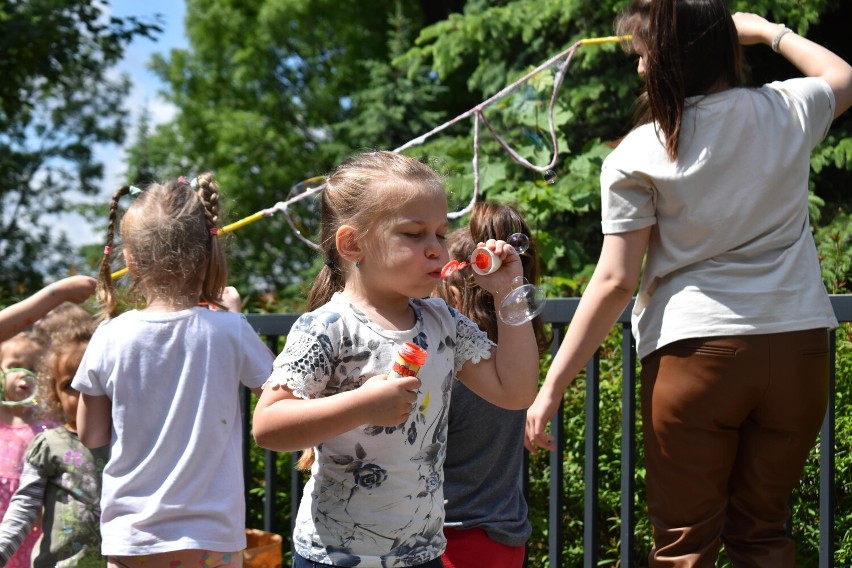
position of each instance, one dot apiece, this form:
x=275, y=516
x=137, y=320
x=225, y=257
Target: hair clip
x=107, y=249
x=182, y=179
x=214, y=231
x=134, y=191
x=194, y=183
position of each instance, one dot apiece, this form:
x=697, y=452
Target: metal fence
x=559, y=313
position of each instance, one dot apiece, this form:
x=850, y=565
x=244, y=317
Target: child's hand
x=74, y=288
x=388, y=402
x=499, y=282
x=230, y=299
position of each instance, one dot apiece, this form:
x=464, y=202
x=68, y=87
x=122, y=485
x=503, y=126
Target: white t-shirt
x=375, y=495
x=732, y=251
x=174, y=479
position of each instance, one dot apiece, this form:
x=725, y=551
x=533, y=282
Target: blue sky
x=143, y=95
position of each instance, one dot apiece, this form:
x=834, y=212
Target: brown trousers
x=728, y=424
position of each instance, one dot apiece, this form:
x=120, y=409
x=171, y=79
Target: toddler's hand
x=231, y=300
x=388, y=402
x=499, y=282
x=74, y=288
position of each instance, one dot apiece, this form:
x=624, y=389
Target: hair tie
x=329, y=263
x=182, y=179
x=194, y=183
x=107, y=249
x=214, y=231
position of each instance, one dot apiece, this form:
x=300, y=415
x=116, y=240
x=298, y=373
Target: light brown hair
x=361, y=192
x=170, y=232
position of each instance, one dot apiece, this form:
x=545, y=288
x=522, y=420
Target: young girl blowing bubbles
x=61, y=476
x=375, y=495
x=160, y=386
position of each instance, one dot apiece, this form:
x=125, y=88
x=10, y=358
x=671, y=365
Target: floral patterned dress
x=375, y=495
x=13, y=443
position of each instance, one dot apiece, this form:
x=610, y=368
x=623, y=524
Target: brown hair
x=490, y=221
x=690, y=47
x=170, y=232
x=67, y=330
x=64, y=322
x=358, y=193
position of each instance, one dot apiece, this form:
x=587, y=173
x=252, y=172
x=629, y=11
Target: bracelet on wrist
x=777, y=39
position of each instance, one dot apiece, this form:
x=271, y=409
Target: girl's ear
x=129, y=262
x=346, y=240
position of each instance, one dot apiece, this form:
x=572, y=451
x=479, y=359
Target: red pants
x=729, y=423
x=472, y=548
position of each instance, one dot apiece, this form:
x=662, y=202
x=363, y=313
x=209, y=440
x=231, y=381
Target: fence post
x=591, y=525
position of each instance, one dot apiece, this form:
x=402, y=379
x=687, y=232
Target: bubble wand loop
x=29, y=378
x=478, y=114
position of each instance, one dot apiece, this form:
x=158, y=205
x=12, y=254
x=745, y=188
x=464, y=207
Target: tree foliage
x=57, y=101
x=270, y=93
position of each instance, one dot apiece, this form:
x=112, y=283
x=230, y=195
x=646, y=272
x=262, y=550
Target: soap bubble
x=523, y=303
x=519, y=241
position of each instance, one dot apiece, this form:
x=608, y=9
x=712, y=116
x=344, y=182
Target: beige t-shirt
x=731, y=252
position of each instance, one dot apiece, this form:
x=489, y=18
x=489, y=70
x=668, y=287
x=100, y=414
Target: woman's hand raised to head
x=753, y=29
x=812, y=59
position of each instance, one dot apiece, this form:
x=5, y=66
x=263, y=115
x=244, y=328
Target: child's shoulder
x=437, y=308
x=333, y=313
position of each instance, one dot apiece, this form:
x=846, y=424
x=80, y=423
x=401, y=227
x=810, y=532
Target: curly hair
x=67, y=330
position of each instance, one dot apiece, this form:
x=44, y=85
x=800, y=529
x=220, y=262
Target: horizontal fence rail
x=559, y=312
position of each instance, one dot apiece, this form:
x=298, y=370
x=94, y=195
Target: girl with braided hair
x=159, y=385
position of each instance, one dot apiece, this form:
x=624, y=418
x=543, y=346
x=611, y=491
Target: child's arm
x=24, y=508
x=514, y=362
x=608, y=293
x=94, y=420
x=285, y=423
x=20, y=316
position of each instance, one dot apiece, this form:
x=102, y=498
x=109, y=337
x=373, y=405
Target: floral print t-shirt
x=375, y=495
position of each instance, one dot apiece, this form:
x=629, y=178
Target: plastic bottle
x=408, y=361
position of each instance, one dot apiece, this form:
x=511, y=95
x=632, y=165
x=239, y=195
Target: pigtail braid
x=216, y=273
x=331, y=277
x=105, y=288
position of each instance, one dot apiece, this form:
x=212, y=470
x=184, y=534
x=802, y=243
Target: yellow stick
x=252, y=218
x=226, y=229
x=608, y=39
